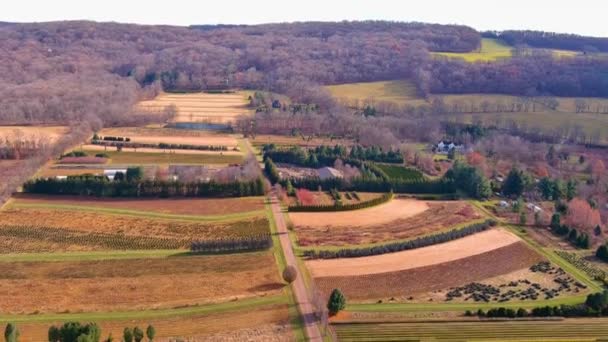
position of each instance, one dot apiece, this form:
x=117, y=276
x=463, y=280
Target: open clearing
x=563, y=330
x=465, y=247
x=135, y=284
x=356, y=95
x=399, y=219
x=144, y=158
x=490, y=50
x=384, y=213
x=178, y=206
x=202, y=107
x=70, y=229
x=172, y=136
x=365, y=284
x=264, y=323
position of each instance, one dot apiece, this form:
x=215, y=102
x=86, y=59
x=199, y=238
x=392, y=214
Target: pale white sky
x=586, y=17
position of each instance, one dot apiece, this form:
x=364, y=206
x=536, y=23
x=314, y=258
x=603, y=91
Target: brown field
x=179, y=206
x=43, y=230
x=414, y=281
x=392, y=221
x=202, y=107
x=384, y=213
x=51, y=132
x=462, y=248
x=283, y=140
x=51, y=171
x=268, y=323
x=172, y=136
x=135, y=284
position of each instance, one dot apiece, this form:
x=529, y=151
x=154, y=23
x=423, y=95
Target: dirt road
x=304, y=303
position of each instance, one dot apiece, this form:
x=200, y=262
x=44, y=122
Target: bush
x=290, y=274
x=336, y=302
x=401, y=246
x=602, y=253
x=11, y=333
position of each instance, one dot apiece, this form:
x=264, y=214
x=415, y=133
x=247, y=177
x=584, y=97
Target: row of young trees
x=102, y=187
x=578, y=238
x=78, y=332
x=423, y=241
x=244, y=244
x=327, y=156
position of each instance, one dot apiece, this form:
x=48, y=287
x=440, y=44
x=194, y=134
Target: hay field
x=414, y=281
x=288, y=141
x=202, y=107
x=399, y=92
x=462, y=248
x=400, y=219
x=490, y=50
x=135, y=284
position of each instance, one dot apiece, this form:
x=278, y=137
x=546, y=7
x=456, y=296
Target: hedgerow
x=251, y=243
x=342, y=207
x=160, y=145
x=423, y=241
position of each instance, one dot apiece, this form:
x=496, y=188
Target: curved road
x=299, y=289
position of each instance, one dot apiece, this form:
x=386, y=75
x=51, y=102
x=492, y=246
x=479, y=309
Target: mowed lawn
x=398, y=92
x=490, y=50
x=143, y=158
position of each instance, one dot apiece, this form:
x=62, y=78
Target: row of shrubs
x=575, y=237
x=439, y=186
x=596, y=305
x=160, y=145
x=110, y=138
x=252, y=243
x=342, y=207
x=102, y=187
x=423, y=241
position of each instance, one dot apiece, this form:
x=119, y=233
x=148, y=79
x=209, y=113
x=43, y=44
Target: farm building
x=329, y=172
x=111, y=173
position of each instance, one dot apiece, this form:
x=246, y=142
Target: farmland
x=567, y=330
x=172, y=136
x=399, y=219
x=202, y=107
x=438, y=274
x=155, y=158
x=398, y=92
x=490, y=50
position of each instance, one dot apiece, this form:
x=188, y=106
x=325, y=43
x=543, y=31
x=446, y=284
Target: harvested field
x=202, y=107
x=385, y=213
x=135, y=158
x=136, y=284
x=283, y=140
x=398, y=92
x=42, y=230
x=462, y=248
x=172, y=136
x=400, y=219
x=267, y=323
x=369, y=285
x=190, y=206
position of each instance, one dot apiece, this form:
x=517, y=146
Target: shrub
x=602, y=253
x=336, y=302
x=150, y=333
x=11, y=333
x=290, y=274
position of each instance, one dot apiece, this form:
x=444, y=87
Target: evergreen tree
x=150, y=333
x=523, y=218
x=514, y=184
x=555, y=221
x=336, y=302
x=127, y=335
x=138, y=334
x=11, y=333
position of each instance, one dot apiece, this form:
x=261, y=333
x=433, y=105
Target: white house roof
x=329, y=172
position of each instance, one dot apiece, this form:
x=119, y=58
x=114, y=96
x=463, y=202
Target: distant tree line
x=439, y=186
x=423, y=241
x=326, y=155
x=102, y=187
x=551, y=40
x=232, y=245
x=338, y=206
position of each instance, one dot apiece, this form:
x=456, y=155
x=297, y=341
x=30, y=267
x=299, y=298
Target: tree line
x=164, y=146
x=419, y=242
x=551, y=40
x=78, y=332
x=232, y=245
x=102, y=187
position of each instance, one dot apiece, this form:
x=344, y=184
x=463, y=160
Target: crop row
x=251, y=243
x=583, y=265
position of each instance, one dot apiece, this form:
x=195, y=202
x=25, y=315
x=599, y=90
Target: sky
x=586, y=17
